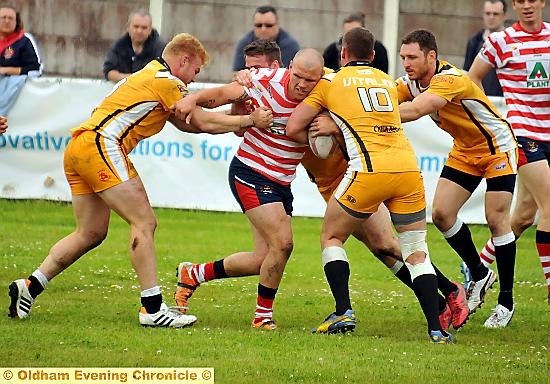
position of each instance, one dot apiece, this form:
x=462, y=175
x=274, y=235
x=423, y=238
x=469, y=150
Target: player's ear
x=275, y=65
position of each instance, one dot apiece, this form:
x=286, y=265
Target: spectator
x=331, y=53
x=494, y=16
x=266, y=26
x=135, y=49
x=19, y=57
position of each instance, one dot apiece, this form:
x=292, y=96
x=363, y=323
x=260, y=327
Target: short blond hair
x=186, y=43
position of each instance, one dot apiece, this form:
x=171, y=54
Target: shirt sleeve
x=111, y=62
x=169, y=89
x=318, y=97
x=447, y=86
x=488, y=52
x=403, y=92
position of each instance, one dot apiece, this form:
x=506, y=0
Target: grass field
x=88, y=315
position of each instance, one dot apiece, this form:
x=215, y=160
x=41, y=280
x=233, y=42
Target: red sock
x=264, y=310
x=543, y=247
x=202, y=273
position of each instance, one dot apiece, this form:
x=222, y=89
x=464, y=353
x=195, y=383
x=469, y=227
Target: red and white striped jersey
x=522, y=62
x=272, y=153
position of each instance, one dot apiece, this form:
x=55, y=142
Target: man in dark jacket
x=135, y=49
x=331, y=54
x=494, y=16
x=266, y=26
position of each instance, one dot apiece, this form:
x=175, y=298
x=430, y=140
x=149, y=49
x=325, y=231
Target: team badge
x=532, y=146
x=8, y=53
x=103, y=175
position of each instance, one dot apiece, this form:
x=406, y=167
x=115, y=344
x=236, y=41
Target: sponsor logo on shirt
x=538, y=74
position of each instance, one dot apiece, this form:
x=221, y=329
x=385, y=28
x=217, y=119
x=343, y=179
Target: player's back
x=137, y=107
x=363, y=102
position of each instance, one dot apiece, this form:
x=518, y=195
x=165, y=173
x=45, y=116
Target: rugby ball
x=322, y=146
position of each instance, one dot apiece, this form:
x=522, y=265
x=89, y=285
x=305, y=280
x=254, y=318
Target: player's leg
x=273, y=225
x=92, y=220
x=338, y=224
x=536, y=178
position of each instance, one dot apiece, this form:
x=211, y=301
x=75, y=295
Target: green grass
x=88, y=315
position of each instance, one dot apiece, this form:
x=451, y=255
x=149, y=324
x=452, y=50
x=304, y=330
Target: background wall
x=76, y=34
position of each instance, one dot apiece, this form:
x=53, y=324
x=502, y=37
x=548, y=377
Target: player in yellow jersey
x=382, y=168
x=484, y=148
x=102, y=177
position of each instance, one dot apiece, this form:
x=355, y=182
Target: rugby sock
x=425, y=287
x=460, y=239
x=401, y=271
x=337, y=274
x=202, y=273
x=151, y=299
x=487, y=254
x=505, y=254
x=542, y=239
x=36, y=283
x=264, y=304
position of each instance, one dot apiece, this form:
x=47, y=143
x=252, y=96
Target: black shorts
x=504, y=183
x=252, y=189
x=530, y=150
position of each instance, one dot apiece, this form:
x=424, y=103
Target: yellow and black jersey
x=469, y=116
x=363, y=102
x=137, y=107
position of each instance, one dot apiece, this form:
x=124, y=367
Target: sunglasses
x=267, y=25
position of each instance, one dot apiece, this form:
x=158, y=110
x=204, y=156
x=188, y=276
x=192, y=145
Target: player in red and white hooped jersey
x=521, y=56
x=271, y=153
x=259, y=176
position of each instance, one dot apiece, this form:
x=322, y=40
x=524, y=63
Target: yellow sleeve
x=318, y=97
x=169, y=90
x=403, y=92
x=447, y=86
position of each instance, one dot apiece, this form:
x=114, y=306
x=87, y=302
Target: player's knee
x=441, y=218
x=94, y=238
x=286, y=247
x=414, y=251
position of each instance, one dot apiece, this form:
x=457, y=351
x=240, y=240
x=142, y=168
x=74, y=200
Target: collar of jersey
x=357, y=63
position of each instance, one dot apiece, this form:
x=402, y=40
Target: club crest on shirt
x=103, y=175
x=8, y=53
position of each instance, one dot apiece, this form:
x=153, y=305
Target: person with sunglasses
x=266, y=26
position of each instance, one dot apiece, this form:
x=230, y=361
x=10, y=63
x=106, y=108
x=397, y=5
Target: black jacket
x=331, y=55
x=122, y=57
x=491, y=85
x=23, y=53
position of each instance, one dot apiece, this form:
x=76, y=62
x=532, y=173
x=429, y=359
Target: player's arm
x=217, y=122
x=209, y=98
x=3, y=124
x=296, y=127
x=479, y=70
x=422, y=105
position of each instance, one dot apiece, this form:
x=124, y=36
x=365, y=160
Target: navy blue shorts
x=532, y=150
x=252, y=189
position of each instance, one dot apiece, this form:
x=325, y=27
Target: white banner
x=179, y=170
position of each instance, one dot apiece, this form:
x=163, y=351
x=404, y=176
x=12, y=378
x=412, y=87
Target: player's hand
x=323, y=125
x=3, y=125
x=262, y=118
x=243, y=77
x=183, y=109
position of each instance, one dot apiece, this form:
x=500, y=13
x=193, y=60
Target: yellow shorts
x=488, y=166
x=362, y=192
x=94, y=164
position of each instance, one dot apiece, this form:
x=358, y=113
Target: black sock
x=405, y=276
x=425, y=289
x=219, y=270
x=152, y=303
x=505, y=256
x=337, y=273
x=464, y=246
x=443, y=283
x=35, y=288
